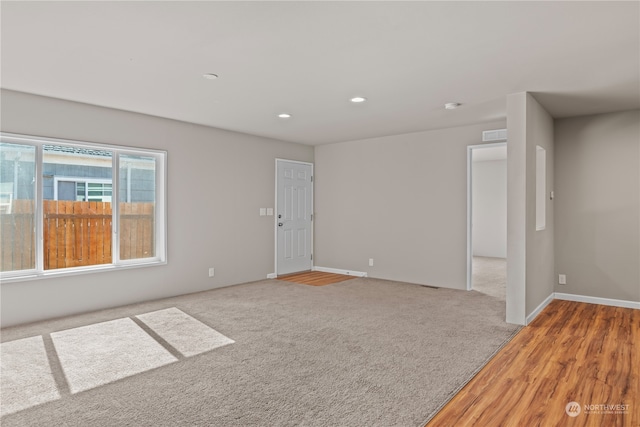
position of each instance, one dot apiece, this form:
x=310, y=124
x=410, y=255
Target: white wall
x=489, y=196
x=217, y=181
x=530, y=253
x=540, y=249
x=400, y=200
x=597, y=213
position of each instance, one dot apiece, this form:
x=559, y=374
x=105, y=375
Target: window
x=82, y=190
x=59, y=210
x=17, y=207
x=136, y=198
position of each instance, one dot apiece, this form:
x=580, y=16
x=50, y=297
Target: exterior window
x=59, y=212
x=88, y=191
x=17, y=207
x=77, y=223
x=97, y=192
x=83, y=190
x=136, y=206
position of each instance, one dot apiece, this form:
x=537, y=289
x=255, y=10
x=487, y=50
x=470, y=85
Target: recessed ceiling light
x=284, y=115
x=358, y=99
x=210, y=76
x=451, y=105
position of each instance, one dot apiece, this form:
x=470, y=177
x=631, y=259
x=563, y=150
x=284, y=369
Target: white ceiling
x=309, y=58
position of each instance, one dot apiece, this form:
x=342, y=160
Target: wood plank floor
x=572, y=352
x=315, y=278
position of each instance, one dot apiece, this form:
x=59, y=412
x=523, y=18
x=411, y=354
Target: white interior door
x=294, y=215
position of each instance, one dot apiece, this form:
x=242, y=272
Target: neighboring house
x=79, y=174
x=6, y=197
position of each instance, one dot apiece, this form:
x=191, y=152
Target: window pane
x=77, y=230
x=17, y=207
x=80, y=192
x=137, y=205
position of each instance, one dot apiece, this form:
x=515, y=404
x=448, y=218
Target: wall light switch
x=212, y=272
x=270, y=211
x=562, y=279
x=263, y=211
x=370, y=262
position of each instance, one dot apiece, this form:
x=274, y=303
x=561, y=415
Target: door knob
x=279, y=224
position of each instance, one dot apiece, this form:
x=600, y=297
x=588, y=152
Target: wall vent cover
x=494, y=135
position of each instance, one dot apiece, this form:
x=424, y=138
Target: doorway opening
x=487, y=219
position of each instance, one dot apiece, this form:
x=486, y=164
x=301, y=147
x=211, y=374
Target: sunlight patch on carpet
x=186, y=334
x=26, y=379
x=98, y=354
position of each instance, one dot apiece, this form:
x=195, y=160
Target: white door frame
x=275, y=214
x=470, y=149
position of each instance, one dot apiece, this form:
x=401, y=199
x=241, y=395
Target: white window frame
x=160, y=222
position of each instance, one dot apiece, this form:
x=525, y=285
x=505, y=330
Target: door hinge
x=311, y=178
x=311, y=217
x=311, y=257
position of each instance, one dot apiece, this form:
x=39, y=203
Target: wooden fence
x=17, y=240
x=75, y=234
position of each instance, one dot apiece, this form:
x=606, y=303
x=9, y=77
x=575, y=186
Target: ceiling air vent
x=494, y=135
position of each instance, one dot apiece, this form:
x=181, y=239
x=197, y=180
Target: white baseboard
x=539, y=309
x=597, y=300
x=581, y=298
x=340, y=271
x=272, y=276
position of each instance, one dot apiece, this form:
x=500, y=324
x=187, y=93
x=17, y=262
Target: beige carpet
x=26, y=379
x=184, y=333
x=490, y=276
x=94, y=355
x=367, y=352
x=98, y=354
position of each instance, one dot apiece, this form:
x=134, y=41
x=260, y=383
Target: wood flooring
x=572, y=352
x=315, y=278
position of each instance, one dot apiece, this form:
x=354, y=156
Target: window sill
x=28, y=275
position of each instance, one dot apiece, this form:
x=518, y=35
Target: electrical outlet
x=370, y=262
x=562, y=279
x=212, y=272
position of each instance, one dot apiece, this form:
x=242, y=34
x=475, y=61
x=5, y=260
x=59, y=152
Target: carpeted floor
x=364, y=352
x=490, y=276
